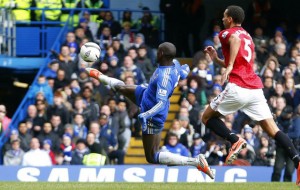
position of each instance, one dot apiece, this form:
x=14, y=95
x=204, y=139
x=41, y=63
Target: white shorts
x=250, y=101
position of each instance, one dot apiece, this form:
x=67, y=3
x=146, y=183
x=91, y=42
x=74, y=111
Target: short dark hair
x=237, y=13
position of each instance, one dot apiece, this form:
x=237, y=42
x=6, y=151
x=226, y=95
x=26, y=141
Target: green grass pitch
x=144, y=186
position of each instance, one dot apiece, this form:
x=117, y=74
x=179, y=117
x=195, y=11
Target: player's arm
x=164, y=88
x=153, y=111
x=234, y=45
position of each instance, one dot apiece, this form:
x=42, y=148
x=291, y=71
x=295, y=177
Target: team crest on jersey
x=162, y=92
x=224, y=34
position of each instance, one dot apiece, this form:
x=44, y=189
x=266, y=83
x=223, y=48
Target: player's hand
x=143, y=121
x=211, y=52
x=225, y=76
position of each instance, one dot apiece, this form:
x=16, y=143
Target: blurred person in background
x=174, y=146
x=14, y=156
x=80, y=151
x=35, y=156
x=4, y=120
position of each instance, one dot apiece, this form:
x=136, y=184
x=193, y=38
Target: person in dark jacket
x=80, y=151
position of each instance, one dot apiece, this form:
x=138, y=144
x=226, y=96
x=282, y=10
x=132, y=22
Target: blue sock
x=156, y=156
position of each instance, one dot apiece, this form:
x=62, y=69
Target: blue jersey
x=154, y=101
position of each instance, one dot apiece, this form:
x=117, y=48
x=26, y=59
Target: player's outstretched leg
x=199, y=162
x=112, y=82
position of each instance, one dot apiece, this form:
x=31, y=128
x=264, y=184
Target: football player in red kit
x=243, y=90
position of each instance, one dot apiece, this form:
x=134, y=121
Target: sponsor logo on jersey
x=224, y=34
x=162, y=92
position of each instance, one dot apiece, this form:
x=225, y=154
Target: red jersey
x=242, y=73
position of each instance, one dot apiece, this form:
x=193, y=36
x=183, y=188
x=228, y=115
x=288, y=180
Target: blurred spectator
x=281, y=55
x=189, y=128
x=148, y=25
x=109, y=21
x=124, y=133
x=196, y=85
x=203, y=72
x=80, y=151
x=95, y=129
x=272, y=64
x=57, y=126
x=51, y=70
x=52, y=13
x=144, y=63
x=174, y=146
x=268, y=87
x=14, y=156
x=94, y=4
x=80, y=129
x=24, y=136
x=70, y=38
x=90, y=104
x=198, y=146
x=73, y=16
x=99, y=154
x=67, y=147
x=128, y=65
x=47, y=143
x=4, y=120
x=35, y=156
x=216, y=153
x=266, y=152
x=61, y=80
x=58, y=108
x=84, y=24
x=109, y=140
x=105, y=40
x=66, y=62
x=180, y=131
x=279, y=92
x=140, y=40
x=132, y=52
x=73, y=51
x=193, y=106
x=14, y=135
x=251, y=138
x=43, y=87
x=127, y=35
x=41, y=107
x=261, y=45
x=119, y=49
x=48, y=134
x=127, y=17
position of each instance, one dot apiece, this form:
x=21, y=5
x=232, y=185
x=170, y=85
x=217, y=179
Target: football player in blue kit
x=154, y=103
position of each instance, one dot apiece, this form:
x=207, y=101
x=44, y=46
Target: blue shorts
x=152, y=128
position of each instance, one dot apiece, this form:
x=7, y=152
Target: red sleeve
x=224, y=36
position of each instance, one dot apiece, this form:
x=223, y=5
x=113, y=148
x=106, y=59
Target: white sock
x=112, y=82
x=168, y=158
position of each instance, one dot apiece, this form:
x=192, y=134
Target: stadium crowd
x=77, y=120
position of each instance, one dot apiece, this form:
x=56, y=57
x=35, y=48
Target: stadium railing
x=39, y=35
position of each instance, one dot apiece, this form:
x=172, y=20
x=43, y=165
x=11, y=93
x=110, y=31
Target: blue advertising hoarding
x=134, y=173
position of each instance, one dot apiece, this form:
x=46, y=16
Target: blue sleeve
x=164, y=85
x=184, y=72
x=164, y=89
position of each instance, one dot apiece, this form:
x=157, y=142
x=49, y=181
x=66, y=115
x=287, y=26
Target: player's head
x=233, y=15
x=166, y=51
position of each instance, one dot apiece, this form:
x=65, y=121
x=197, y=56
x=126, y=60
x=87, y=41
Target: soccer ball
x=90, y=52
